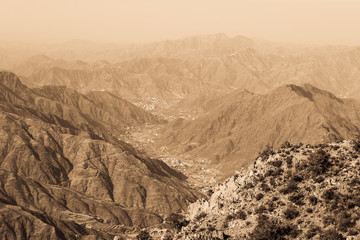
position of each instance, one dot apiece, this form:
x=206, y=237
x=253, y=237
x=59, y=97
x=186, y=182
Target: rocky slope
x=297, y=192
x=62, y=171
x=95, y=111
x=236, y=127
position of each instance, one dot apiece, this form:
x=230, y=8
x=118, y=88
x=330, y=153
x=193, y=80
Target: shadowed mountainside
x=62, y=169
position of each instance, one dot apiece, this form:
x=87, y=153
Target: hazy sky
x=300, y=21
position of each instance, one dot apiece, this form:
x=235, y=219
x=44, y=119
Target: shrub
x=334, y=147
x=277, y=163
x=297, y=199
x=259, y=196
x=260, y=210
x=249, y=185
x=318, y=179
x=286, y=144
x=356, y=142
x=289, y=161
x=265, y=187
x=327, y=220
x=200, y=216
x=353, y=232
x=291, y=213
x=313, y=231
x=319, y=162
x=290, y=187
x=309, y=210
x=240, y=215
x=268, y=151
x=272, y=172
x=297, y=178
x=332, y=234
x=344, y=221
x=272, y=181
x=177, y=221
x=273, y=230
x=354, y=182
x=143, y=235
x=271, y=206
x=329, y=194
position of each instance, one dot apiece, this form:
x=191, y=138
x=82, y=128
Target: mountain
x=236, y=127
x=68, y=174
x=210, y=64
x=98, y=110
x=297, y=192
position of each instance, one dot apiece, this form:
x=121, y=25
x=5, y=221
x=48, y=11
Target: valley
x=200, y=174
x=195, y=138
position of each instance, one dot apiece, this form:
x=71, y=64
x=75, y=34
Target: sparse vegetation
x=272, y=229
x=143, y=235
x=268, y=151
x=320, y=194
x=356, y=142
x=290, y=187
x=297, y=199
x=319, y=162
x=259, y=196
x=332, y=234
x=291, y=213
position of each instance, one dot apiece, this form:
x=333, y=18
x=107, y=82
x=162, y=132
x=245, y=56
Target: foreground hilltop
x=298, y=192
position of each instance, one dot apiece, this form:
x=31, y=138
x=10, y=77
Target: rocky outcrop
x=297, y=192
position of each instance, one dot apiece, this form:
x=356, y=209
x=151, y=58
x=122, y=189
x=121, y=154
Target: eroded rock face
x=65, y=167
x=298, y=192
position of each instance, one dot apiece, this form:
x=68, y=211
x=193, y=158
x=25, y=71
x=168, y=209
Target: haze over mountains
x=83, y=126
x=200, y=64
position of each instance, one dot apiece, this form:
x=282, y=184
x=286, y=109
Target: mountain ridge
x=294, y=113
x=72, y=175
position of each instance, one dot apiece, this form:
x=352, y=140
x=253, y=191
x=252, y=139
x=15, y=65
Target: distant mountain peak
x=309, y=91
x=301, y=91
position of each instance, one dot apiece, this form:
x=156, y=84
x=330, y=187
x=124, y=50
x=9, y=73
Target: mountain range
x=62, y=168
x=141, y=141
x=214, y=64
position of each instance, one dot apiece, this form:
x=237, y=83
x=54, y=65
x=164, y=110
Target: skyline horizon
x=126, y=43
x=321, y=22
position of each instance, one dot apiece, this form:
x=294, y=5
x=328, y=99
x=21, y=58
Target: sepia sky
x=299, y=21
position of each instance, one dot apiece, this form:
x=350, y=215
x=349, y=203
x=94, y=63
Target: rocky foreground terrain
x=297, y=192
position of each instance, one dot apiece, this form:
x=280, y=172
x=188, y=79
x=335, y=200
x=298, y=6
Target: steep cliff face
x=61, y=165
